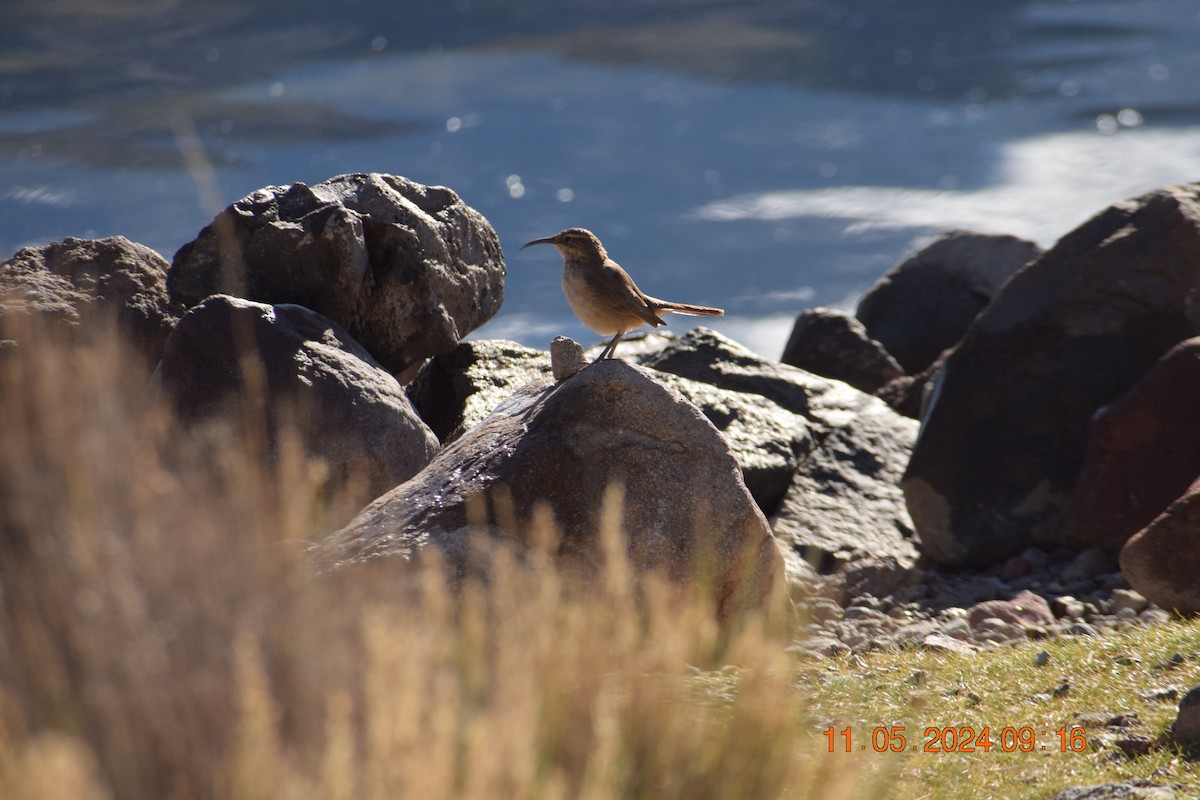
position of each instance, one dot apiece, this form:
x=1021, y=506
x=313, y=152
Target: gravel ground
x=875, y=604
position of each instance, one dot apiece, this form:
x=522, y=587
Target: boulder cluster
x=1053, y=390
x=997, y=444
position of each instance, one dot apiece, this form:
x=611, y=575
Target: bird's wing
x=612, y=282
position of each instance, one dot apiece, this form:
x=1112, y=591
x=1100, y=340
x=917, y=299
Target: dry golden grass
x=161, y=636
x=1011, y=688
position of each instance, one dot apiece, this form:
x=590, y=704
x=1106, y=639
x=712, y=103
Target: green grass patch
x=1084, y=681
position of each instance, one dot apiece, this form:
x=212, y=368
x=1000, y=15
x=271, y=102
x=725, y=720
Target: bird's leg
x=610, y=347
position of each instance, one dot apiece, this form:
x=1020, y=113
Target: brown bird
x=603, y=295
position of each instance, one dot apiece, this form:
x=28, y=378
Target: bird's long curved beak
x=547, y=240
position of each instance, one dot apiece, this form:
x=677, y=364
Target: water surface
x=764, y=156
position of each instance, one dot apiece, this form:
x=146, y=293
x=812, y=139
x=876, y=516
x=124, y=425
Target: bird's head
x=574, y=242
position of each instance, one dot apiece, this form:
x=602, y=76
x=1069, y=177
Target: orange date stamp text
x=961, y=739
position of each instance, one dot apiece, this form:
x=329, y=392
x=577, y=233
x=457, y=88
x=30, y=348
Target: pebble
x=1140, y=789
x=998, y=630
x=825, y=610
x=862, y=612
x=944, y=644
x=1154, y=615
x=566, y=358
x=1085, y=597
x=1127, y=599
x=1134, y=744
x=1066, y=606
x=1079, y=629
x=1087, y=564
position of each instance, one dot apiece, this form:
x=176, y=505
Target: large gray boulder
x=842, y=500
x=768, y=441
x=79, y=281
x=286, y=366
x=562, y=445
x=925, y=304
x=407, y=269
x=456, y=391
x=1004, y=435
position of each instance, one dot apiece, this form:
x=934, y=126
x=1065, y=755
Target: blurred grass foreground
x=162, y=635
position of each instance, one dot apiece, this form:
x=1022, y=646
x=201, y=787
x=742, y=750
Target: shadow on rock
x=559, y=447
x=273, y=368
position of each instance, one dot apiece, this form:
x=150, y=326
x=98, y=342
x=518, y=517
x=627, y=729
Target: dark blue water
x=763, y=156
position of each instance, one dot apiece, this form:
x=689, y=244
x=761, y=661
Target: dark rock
x=909, y=394
x=1078, y=629
x=835, y=345
x=1113, y=580
x=76, y=281
x=407, y=269
x=1134, y=745
x=1162, y=561
x=1106, y=719
x=843, y=501
x=456, y=391
x=1003, y=439
x=1014, y=568
x=872, y=575
x=561, y=446
x=1186, y=727
x=924, y=304
x=1143, y=452
x=1088, y=564
x=1175, y=660
x=1128, y=790
x=288, y=366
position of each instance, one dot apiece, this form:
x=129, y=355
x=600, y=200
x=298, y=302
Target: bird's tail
x=685, y=308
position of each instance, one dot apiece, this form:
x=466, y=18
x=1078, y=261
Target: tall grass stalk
x=162, y=634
